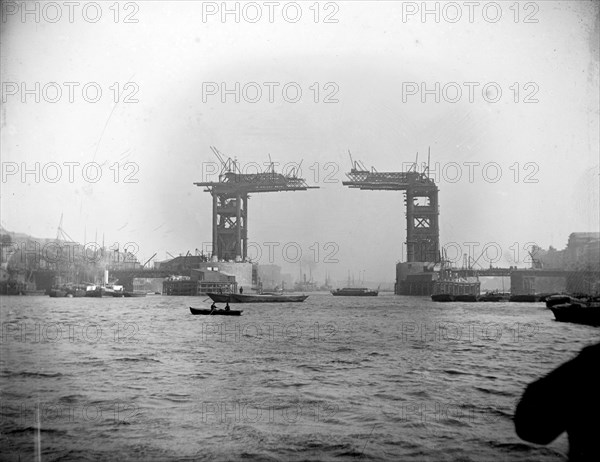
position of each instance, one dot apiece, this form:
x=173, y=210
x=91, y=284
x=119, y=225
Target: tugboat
x=450, y=287
x=113, y=290
x=93, y=291
x=106, y=289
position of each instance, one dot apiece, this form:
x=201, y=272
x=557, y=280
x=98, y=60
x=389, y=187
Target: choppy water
x=333, y=378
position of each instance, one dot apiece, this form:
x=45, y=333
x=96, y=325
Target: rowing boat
x=216, y=312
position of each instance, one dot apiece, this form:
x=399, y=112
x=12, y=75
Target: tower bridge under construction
x=418, y=275
x=422, y=209
x=230, y=196
x=422, y=219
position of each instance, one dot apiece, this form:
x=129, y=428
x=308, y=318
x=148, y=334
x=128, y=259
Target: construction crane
x=149, y=259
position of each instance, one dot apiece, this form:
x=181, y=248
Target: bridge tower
x=230, y=196
x=422, y=209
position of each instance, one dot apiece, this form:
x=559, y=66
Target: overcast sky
x=528, y=158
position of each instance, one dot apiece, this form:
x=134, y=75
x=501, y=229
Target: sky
x=506, y=101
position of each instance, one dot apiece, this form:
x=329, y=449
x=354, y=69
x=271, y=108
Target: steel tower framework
x=422, y=209
x=230, y=203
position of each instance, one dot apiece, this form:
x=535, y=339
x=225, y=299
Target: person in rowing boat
x=213, y=307
x=227, y=306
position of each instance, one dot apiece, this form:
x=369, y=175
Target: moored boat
x=558, y=299
x=134, y=294
x=561, y=299
x=34, y=292
x=493, y=297
x=94, y=291
x=579, y=313
x=78, y=292
x=256, y=298
x=355, y=292
x=69, y=290
x=112, y=290
x=442, y=298
x=466, y=298
x=524, y=298
x=216, y=312
x=58, y=292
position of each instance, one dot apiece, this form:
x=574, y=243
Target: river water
x=333, y=378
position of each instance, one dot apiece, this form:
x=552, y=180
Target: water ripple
x=395, y=378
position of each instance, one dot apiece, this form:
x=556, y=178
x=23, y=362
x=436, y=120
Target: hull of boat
x=493, y=298
x=97, y=293
x=558, y=299
x=354, y=293
x=34, y=292
x=371, y=294
x=198, y=311
x=524, y=298
x=468, y=298
x=576, y=313
x=77, y=293
x=219, y=298
x=134, y=294
x=58, y=293
x=239, y=298
x=442, y=298
x=465, y=298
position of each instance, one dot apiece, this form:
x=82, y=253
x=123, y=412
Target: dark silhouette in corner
x=567, y=399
